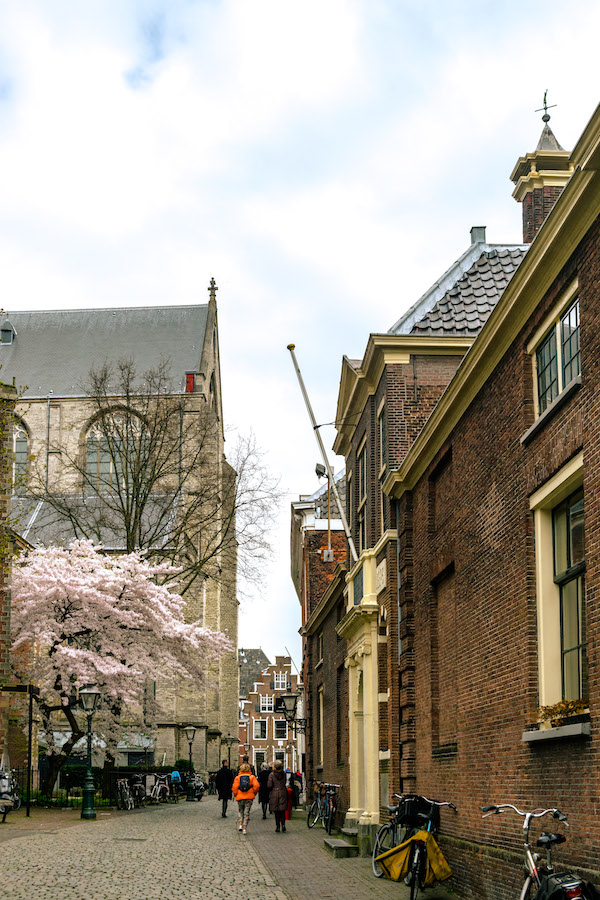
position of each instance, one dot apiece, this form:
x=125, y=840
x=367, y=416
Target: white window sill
x=577, y=730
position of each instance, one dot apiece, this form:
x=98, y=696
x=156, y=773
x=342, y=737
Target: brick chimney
x=539, y=178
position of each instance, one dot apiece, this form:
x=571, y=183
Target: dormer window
x=7, y=333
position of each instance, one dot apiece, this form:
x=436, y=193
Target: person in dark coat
x=223, y=781
x=263, y=794
x=278, y=795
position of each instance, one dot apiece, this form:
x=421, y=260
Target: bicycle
x=389, y=835
x=124, y=796
x=543, y=878
x=414, y=813
x=324, y=806
x=138, y=790
x=160, y=790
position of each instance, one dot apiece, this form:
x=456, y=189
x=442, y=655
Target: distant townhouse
x=264, y=733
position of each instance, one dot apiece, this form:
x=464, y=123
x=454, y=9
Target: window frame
x=551, y=329
x=279, y=737
x=267, y=703
x=542, y=503
x=277, y=676
x=20, y=470
x=259, y=737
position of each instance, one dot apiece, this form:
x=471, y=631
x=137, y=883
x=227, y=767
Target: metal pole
x=190, y=789
x=353, y=553
x=29, y=752
x=88, y=810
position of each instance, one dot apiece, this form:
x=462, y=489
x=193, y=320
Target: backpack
x=245, y=784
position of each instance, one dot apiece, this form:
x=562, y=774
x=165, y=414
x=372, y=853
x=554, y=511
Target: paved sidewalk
x=179, y=851
x=302, y=867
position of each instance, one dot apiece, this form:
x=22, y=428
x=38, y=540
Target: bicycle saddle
x=392, y=809
x=547, y=837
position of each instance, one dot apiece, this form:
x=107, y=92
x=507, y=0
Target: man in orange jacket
x=245, y=788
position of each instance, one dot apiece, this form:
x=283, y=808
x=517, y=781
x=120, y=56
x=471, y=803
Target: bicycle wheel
x=119, y=797
x=16, y=799
x=416, y=870
x=313, y=814
x=530, y=889
x=330, y=821
x=385, y=840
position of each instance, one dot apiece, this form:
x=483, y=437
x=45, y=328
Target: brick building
x=318, y=555
x=464, y=473
x=264, y=734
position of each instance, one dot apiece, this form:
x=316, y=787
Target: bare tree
x=150, y=473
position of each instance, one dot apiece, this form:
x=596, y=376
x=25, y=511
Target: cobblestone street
x=183, y=851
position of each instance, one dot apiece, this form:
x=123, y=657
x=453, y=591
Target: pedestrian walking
x=223, y=782
x=246, y=762
x=245, y=788
x=263, y=794
x=278, y=795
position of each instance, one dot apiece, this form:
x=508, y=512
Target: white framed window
x=381, y=428
x=556, y=352
x=280, y=754
x=320, y=735
x=280, y=730
x=260, y=729
x=558, y=509
x=266, y=703
x=280, y=681
x=320, y=647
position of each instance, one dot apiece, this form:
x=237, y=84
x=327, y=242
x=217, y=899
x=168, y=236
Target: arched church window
x=20, y=458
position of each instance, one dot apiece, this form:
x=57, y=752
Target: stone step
x=350, y=835
x=340, y=849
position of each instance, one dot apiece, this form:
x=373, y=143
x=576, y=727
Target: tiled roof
x=53, y=351
x=465, y=307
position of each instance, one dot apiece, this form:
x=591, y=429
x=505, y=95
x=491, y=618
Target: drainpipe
x=48, y=440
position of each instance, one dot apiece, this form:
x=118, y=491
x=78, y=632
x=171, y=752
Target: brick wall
x=469, y=666
x=537, y=205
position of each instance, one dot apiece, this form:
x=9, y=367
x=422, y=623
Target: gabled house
x=264, y=734
x=385, y=401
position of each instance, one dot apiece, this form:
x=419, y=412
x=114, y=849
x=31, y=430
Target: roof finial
x=213, y=289
x=545, y=107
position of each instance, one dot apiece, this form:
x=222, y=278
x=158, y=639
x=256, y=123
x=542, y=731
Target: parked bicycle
x=324, y=806
x=160, y=789
x=542, y=879
x=10, y=793
x=138, y=790
x=413, y=814
x=124, y=795
x=389, y=835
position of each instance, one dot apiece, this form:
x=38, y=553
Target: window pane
x=547, y=371
x=559, y=527
x=576, y=532
x=569, y=329
x=573, y=640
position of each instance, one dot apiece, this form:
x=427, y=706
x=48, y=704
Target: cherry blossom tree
x=80, y=617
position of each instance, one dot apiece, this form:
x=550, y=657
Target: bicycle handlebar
x=500, y=807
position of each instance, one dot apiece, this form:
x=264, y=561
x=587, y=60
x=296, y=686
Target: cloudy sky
x=324, y=160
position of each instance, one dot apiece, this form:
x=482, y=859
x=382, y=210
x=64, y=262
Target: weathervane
x=545, y=107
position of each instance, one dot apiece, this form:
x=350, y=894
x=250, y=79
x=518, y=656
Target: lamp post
x=190, y=733
x=88, y=697
x=287, y=704
x=229, y=741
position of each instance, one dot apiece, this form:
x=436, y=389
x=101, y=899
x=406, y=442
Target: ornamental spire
x=213, y=290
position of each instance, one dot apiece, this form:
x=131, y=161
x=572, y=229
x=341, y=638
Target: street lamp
x=229, y=740
x=287, y=704
x=88, y=697
x=190, y=733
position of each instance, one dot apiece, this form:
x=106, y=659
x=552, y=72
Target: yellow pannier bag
x=396, y=862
